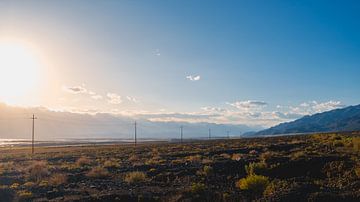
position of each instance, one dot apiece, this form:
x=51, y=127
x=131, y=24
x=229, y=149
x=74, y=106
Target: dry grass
x=82, y=161
x=58, y=179
x=38, y=170
x=98, y=172
x=111, y=163
x=135, y=177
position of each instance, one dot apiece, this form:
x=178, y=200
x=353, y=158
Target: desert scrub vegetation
x=357, y=170
x=98, y=172
x=38, y=170
x=58, y=179
x=356, y=144
x=256, y=168
x=206, y=171
x=111, y=163
x=7, y=167
x=194, y=159
x=276, y=186
x=197, y=188
x=24, y=195
x=83, y=161
x=254, y=184
x=135, y=177
x=236, y=157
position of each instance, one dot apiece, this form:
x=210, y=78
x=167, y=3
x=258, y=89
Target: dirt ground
x=318, y=167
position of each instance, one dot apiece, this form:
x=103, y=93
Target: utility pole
x=181, y=134
x=228, y=134
x=209, y=134
x=33, y=133
x=135, y=134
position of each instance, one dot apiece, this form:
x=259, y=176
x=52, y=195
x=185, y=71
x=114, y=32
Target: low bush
x=58, y=179
x=276, y=186
x=98, y=172
x=194, y=159
x=82, y=161
x=111, y=163
x=197, y=188
x=357, y=171
x=24, y=195
x=38, y=170
x=255, y=184
x=135, y=177
x=356, y=144
x=256, y=168
x=236, y=157
x=208, y=170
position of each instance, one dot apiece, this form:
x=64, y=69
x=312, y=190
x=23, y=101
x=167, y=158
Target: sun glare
x=19, y=73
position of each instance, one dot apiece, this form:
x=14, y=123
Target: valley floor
x=318, y=167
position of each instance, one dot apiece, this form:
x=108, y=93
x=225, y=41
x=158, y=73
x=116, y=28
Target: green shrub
x=197, y=188
x=275, y=187
x=338, y=143
x=208, y=170
x=356, y=144
x=24, y=195
x=255, y=184
x=357, y=171
x=256, y=168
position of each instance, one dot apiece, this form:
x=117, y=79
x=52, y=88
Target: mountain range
x=15, y=123
x=345, y=119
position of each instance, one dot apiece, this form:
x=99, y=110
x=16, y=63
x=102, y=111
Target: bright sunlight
x=19, y=72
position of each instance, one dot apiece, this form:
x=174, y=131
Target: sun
x=19, y=73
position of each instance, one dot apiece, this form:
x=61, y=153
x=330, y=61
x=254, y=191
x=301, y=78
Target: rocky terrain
x=318, y=167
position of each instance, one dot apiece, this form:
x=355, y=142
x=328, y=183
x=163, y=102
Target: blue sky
x=282, y=55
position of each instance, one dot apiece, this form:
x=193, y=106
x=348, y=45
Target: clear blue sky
x=278, y=52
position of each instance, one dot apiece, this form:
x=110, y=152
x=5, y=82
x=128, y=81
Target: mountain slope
x=345, y=119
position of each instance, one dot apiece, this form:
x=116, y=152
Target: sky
x=239, y=62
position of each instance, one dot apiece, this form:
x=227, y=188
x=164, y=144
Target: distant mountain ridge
x=345, y=119
x=15, y=123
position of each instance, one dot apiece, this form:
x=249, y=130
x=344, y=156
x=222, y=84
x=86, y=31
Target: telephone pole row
x=181, y=134
x=33, y=134
x=135, y=134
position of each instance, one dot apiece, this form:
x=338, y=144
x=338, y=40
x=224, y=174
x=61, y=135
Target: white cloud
x=313, y=107
x=132, y=99
x=193, y=78
x=97, y=97
x=213, y=109
x=248, y=105
x=114, y=98
x=75, y=89
x=80, y=89
x=326, y=106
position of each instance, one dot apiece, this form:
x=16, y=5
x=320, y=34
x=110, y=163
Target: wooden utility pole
x=135, y=134
x=181, y=134
x=228, y=134
x=209, y=134
x=33, y=134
